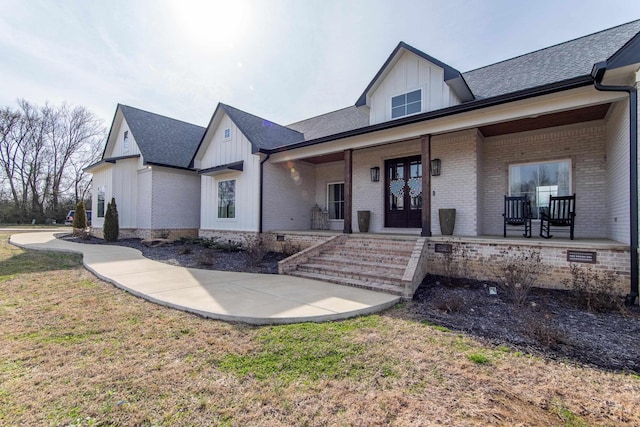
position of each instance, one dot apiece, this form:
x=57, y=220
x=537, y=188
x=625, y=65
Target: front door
x=403, y=192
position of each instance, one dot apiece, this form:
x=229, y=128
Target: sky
x=283, y=60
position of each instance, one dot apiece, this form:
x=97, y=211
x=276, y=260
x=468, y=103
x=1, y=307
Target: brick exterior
x=584, y=144
x=175, y=200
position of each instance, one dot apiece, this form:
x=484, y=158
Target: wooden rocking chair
x=560, y=213
x=517, y=212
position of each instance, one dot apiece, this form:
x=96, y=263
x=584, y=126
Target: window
x=227, y=199
x=100, y=203
x=406, y=104
x=335, y=200
x=538, y=181
x=125, y=142
x=227, y=133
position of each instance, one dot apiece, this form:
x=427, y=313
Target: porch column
x=348, y=179
x=425, y=148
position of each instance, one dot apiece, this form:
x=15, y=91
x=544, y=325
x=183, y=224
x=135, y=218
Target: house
x=423, y=137
x=145, y=168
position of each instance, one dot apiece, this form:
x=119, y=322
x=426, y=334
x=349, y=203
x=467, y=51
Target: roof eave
x=568, y=84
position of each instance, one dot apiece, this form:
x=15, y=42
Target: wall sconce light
x=435, y=167
x=375, y=174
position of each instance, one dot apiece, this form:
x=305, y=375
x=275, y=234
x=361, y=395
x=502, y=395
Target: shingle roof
x=331, y=123
x=163, y=140
x=563, y=61
x=262, y=133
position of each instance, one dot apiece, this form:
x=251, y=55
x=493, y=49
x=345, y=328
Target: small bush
x=256, y=250
x=111, y=227
x=455, y=263
x=290, y=248
x=542, y=329
x=185, y=249
x=205, y=257
x=592, y=290
x=190, y=240
x=211, y=243
x=453, y=304
x=516, y=273
x=80, y=217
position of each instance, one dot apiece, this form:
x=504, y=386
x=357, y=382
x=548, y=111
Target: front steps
x=378, y=263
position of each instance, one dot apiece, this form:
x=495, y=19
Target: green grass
x=17, y=261
x=479, y=358
x=435, y=326
x=307, y=351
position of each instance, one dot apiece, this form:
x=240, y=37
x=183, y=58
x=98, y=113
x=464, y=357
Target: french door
x=403, y=192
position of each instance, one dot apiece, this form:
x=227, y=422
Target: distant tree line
x=43, y=151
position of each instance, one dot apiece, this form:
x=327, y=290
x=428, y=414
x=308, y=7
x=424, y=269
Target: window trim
x=569, y=160
x=224, y=136
x=420, y=89
x=104, y=197
x=235, y=204
x=327, y=200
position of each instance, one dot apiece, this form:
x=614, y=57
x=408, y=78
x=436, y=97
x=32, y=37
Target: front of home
x=423, y=138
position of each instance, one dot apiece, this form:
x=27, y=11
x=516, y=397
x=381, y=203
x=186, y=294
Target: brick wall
x=175, y=199
x=583, y=143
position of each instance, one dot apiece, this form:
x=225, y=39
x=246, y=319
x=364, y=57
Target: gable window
x=227, y=199
x=406, y=104
x=538, y=181
x=100, y=203
x=227, y=133
x=125, y=142
x=335, y=200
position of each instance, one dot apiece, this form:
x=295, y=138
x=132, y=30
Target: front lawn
x=77, y=351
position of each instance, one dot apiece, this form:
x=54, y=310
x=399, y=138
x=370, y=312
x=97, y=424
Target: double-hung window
x=101, y=203
x=227, y=199
x=538, y=181
x=406, y=104
x=335, y=200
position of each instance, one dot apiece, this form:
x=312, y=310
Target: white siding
x=118, y=148
x=125, y=191
x=290, y=193
x=220, y=152
x=102, y=177
x=144, y=204
x=176, y=199
x=618, y=173
x=410, y=73
x=325, y=174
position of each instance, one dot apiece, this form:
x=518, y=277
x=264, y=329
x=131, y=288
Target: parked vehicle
x=69, y=219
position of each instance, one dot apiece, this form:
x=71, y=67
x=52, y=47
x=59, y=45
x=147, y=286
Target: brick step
x=379, y=245
x=355, y=251
x=382, y=276
x=372, y=286
x=348, y=257
x=329, y=259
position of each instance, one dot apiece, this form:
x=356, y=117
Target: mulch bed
x=550, y=324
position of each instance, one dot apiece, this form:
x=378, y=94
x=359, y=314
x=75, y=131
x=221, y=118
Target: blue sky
x=284, y=60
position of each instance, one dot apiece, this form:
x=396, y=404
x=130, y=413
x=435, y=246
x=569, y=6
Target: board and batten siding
x=119, y=148
x=125, y=191
x=221, y=151
x=617, y=131
x=144, y=203
x=102, y=177
x=411, y=73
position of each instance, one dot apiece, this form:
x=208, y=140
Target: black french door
x=403, y=192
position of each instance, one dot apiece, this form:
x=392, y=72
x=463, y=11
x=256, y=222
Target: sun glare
x=212, y=25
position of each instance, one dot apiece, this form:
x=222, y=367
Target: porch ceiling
x=587, y=114
x=327, y=158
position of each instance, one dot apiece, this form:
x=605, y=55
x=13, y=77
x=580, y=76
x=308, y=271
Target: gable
x=121, y=140
x=223, y=144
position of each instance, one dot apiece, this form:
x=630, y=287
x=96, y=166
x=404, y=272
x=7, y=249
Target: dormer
x=411, y=82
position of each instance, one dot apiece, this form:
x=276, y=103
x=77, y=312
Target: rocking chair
x=517, y=212
x=560, y=213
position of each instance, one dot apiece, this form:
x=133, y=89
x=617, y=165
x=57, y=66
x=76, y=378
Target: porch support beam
x=425, y=148
x=348, y=180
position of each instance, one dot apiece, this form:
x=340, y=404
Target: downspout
x=597, y=74
x=261, y=190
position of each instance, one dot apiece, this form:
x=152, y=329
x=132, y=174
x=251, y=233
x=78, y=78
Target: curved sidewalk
x=257, y=299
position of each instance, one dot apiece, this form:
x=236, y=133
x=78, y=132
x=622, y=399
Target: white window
x=335, y=200
x=227, y=199
x=406, y=104
x=538, y=181
x=100, y=206
x=227, y=133
x=125, y=142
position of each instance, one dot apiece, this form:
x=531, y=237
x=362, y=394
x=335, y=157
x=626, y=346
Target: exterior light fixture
x=375, y=174
x=435, y=167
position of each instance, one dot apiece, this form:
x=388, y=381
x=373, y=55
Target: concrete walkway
x=257, y=299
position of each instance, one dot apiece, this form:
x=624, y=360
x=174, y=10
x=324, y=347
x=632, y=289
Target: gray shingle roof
x=331, y=123
x=563, y=61
x=262, y=133
x=163, y=140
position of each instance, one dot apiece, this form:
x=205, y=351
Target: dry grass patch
x=77, y=351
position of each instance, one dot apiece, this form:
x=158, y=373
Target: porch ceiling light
x=435, y=167
x=375, y=174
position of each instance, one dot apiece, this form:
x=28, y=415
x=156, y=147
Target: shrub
x=592, y=290
x=516, y=273
x=185, y=249
x=111, y=228
x=290, y=248
x=256, y=250
x=455, y=262
x=80, y=217
x=205, y=257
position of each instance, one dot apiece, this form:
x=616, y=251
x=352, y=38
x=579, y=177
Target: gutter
x=597, y=73
x=262, y=191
